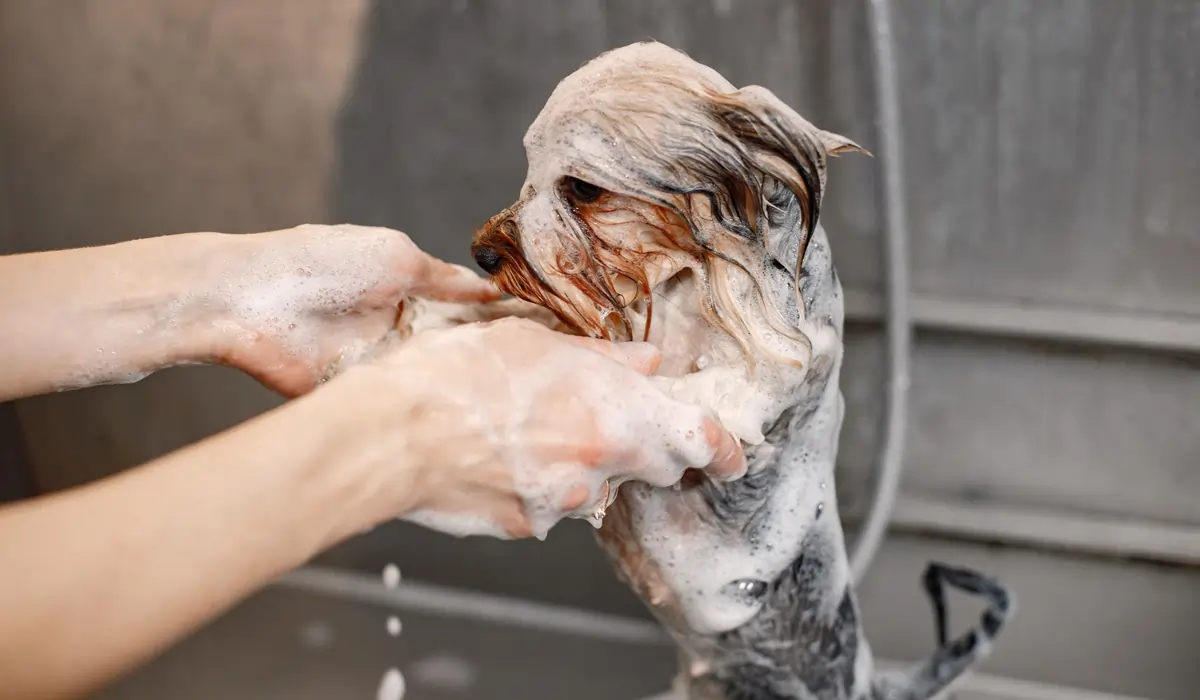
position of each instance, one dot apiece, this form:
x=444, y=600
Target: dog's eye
x=583, y=191
x=780, y=202
x=747, y=589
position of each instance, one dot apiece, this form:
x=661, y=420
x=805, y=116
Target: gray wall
x=1053, y=166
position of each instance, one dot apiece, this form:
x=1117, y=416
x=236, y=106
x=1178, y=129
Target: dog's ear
x=781, y=145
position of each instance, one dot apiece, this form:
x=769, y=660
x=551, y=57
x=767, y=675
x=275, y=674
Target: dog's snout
x=487, y=257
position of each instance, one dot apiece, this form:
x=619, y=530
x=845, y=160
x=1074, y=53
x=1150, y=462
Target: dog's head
x=644, y=165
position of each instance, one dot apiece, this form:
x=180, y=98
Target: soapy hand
x=301, y=303
x=509, y=427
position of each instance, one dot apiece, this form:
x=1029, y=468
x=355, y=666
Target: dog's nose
x=487, y=258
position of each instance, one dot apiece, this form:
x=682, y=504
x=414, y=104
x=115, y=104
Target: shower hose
x=897, y=319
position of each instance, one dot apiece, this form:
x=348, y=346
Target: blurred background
x=1052, y=178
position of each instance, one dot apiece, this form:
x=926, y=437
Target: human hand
x=504, y=428
x=299, y=303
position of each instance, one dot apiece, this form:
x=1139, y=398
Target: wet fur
x=729, y=181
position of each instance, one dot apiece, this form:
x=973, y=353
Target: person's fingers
x=575, y=498
x=443, y=281
x=642, y=357
x=729, y=461
x=517, y=525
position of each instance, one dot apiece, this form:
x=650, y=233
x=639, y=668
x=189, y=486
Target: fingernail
x=743, y=465
x=729, y=459
x=738, y=471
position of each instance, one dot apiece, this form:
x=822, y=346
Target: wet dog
x=662, y=203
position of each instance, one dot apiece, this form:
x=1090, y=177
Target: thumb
x=642, y=357
x=443, y=281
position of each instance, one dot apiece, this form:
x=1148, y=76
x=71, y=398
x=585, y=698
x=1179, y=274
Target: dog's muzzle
x=487, y=258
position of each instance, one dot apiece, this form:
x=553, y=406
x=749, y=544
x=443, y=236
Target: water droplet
x=820, y=509
x=391, y=576
x=822, y=485
x=393, y=626
x=392, y=686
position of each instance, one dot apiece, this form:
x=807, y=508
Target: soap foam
x=630, y=416
x=458, y=524
x=749, y=400
x=794, y=504
x=703, y=367
x=325, y=275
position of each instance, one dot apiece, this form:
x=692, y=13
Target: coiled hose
x=898, y=321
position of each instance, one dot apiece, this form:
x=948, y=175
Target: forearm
x=107, y=314
x=99, y=579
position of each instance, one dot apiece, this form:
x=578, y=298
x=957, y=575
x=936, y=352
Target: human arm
x=105, y=314
x=285, y=306
x=100, y=578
